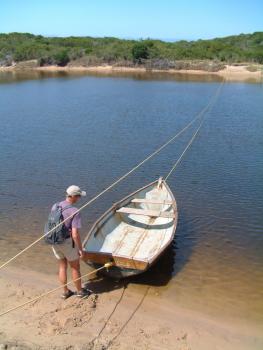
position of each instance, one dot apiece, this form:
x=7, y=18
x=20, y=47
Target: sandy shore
x=115, y=317
x=230, y=73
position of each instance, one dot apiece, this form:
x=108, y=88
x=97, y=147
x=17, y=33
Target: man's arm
x=77, y=240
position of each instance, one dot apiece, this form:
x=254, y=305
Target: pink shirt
x=75, y=221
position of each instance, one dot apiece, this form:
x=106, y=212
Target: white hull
x=135, y=231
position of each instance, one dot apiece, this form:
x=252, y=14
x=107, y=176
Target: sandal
x=84, y=293
x=67, y=294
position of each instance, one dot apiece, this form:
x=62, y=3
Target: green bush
x=45, y=61
x=25, y=46
x=61, y=58
x=259, y=56
x=140, y=51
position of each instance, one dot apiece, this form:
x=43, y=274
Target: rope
x=130, y=317
x=200, y=114
x=92, y=343
x=107, y=265
x=194, y=135
x=186, y=148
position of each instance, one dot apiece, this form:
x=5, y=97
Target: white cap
x=74, y=190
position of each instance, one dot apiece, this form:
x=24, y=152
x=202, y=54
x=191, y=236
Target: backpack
x=61, y=233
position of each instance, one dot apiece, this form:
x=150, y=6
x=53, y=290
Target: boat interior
x=136, y=230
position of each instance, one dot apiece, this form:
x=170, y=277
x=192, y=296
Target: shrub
x=45, y=61
x=232, y=49
x=140, y=51
x=62, y=58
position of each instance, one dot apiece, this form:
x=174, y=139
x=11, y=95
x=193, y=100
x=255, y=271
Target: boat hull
x=116, y=272
x=134, y=232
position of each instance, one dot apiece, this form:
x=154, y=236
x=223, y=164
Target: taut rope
x=193, y=137
x=199, y=115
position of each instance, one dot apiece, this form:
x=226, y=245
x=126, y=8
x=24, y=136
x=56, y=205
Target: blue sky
x=166, y=19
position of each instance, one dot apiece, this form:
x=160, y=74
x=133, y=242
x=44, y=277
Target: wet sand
x=116, y=316
x=230, y=73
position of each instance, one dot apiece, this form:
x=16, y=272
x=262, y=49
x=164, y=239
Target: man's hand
x=76, y=238
x=82, y=254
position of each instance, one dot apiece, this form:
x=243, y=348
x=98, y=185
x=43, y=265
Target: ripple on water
x=215, y=264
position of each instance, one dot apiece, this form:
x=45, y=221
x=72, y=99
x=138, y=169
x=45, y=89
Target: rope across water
x=194, y=136
x=199, y=115
x=109, y=264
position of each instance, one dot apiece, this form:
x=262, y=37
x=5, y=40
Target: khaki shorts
x=65, y=250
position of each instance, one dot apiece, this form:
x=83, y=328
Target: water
x=89, y=130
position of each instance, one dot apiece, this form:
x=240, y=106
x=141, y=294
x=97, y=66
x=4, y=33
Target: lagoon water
x=89, y=130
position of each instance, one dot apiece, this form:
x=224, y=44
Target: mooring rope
x=199, y=115
x=105, y=266
x=186, y=148
x=193, y=137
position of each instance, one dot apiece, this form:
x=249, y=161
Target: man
x=70, y=251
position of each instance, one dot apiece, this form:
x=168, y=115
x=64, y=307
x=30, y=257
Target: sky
x=160, y=19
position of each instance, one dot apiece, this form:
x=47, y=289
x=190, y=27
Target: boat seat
x=152, y=213
x=150, y=201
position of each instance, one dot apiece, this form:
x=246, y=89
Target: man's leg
x=75, y=270
x=62, y=272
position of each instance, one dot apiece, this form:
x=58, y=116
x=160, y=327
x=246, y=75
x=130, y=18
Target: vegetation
x=16, y=47
x=140, y=51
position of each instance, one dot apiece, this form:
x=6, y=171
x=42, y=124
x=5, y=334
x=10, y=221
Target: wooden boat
x=134, y=232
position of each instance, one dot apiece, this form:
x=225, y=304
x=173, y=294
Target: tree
x=60, y=51
x=62, y=58
x=140, y=51
x=259, y=56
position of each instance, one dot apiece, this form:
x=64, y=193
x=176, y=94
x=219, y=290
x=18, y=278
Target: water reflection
x=23, y=75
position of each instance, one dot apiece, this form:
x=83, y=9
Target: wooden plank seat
x=152, y=213
x=150, y=201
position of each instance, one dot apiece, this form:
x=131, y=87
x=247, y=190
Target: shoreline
x=229, y=73
x=116, y=318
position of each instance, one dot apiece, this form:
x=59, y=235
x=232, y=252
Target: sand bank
x=230, y=73
x=116, y=317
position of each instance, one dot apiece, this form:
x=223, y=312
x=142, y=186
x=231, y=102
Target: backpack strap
x=66, y=207
x=62, y=209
